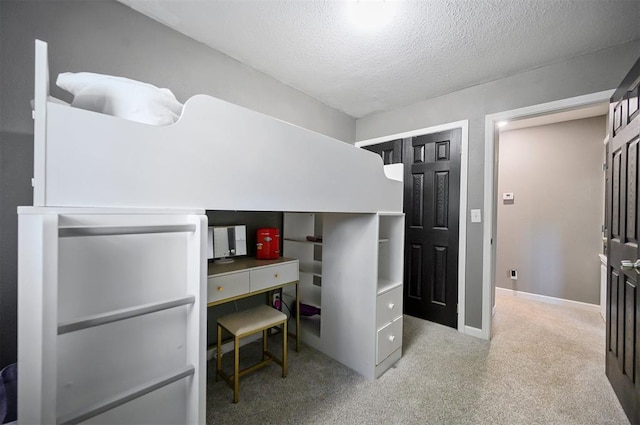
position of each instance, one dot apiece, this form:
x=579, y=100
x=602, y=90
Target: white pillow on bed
x=121, y=97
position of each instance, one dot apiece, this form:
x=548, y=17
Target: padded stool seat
x=245, y=323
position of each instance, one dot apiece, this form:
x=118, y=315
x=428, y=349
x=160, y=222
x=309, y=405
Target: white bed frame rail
x=216, y=156
x=40, y=123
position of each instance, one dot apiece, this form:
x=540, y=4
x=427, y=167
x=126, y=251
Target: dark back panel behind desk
x=254, y=220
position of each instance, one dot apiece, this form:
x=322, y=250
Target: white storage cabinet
x=357, y=283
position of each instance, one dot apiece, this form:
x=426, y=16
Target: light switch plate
x=507, y=196
x=475, y=216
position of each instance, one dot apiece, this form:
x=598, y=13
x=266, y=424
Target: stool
x=245, y=323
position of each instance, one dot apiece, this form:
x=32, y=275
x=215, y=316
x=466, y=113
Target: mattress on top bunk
x=121, y=97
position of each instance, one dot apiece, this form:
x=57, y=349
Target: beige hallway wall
x=551, y=231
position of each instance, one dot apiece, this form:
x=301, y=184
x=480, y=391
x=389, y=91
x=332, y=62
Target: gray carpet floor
x=544, y=365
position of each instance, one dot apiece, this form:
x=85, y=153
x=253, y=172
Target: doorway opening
x=550, y=207
x=523, y=116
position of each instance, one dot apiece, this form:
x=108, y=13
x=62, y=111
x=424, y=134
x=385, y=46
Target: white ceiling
x=430, y=47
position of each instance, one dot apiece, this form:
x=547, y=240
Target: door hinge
x=604, y=167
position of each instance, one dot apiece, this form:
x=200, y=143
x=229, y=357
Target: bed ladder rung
x=70, y=231
x=126, y=397
x=122, y=314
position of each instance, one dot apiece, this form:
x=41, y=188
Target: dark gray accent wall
x=254, y=220
x=106, y=37
x=16, y=169
x=590, y=73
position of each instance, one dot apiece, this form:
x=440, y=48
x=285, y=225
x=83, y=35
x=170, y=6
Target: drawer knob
x=391, y=305
x=392, y=337
x=276, y=275
x=220, y=288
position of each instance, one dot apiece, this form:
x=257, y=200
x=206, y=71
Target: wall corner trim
x=550, y=300
x=474, y=332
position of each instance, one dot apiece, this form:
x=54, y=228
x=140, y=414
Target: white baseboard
x=550, y=300
x=228, y=346
x=471, y=331
x=493, y=311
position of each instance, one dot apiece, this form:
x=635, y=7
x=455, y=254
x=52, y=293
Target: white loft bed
x=115, y=198
x=217, y=156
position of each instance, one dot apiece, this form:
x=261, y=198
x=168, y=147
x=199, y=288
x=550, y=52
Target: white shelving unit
x=297, y=226
x=389, y=293
x=355, y=280
x=314, y=268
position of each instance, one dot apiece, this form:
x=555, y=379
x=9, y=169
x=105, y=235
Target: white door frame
x=488, y=249
x=462, y=221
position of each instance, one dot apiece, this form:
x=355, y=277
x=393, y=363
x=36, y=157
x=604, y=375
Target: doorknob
x=630, y=265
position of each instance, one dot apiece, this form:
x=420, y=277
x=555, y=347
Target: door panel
x=613, y=322
x=391, y=151
x=441, y=200
x=629, y=330
x=432, y=199
x=417, y=201
x=632, y=184
x=414, y=283
x=439, y=289
x=623, y=221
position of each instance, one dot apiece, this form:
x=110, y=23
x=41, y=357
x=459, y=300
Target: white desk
x=248, y=276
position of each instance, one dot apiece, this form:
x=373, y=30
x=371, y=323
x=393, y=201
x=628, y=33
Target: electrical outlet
x=513, y=274
x=277, y=302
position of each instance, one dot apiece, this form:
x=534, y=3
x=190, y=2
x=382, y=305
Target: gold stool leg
x=284, y=349
x=219, y=353
x=236, y=367
x=265, y=333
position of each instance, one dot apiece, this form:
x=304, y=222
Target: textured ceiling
x=429, y=48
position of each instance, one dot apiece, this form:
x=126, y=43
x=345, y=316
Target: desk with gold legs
x=248, y=276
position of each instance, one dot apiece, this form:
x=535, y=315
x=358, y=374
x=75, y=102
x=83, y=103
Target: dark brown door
x=431, y=204
x=391, y=151
x=432, y=208
x=623, y=306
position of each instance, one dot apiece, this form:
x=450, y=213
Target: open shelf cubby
x=297, y=227
x=390, y=251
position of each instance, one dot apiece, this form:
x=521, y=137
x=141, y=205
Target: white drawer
x=388, y=340
x=388, y=307
x=227, y=286
x=266, y=277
